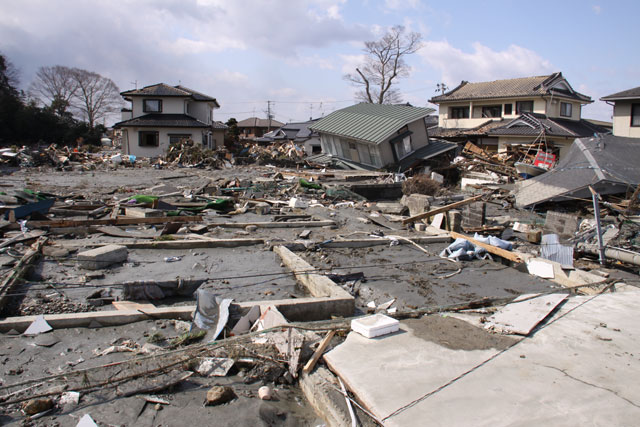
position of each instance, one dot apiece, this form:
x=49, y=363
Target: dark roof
x=509, y=88
x=531, y=124
x=337, y=162
x=625, y=94
x=481, y=130
x=432, y=149
x=607, y=163
x=254, y=122
x=162, y=89
x=164, y=120
x=219, y=125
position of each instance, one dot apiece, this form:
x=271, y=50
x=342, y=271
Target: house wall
x=622, y=119
x=199, y=110
x=217, y=138
x=475, y=113
x=562, y=144
x=130, y=143
x=310, y=143
x=170, y=105
x=553, y=109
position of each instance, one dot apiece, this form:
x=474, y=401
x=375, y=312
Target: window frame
x=562, y=112
x=491, y=108
x=635, y=106
x=519, y=105
x=510, y=109
x=145, y=133
x=465, y=112
x=145, y=106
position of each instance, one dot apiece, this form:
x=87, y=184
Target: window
x=148, y=139
x=152, y=105
x=635, y=114
x=508, y=109
x=492, y=111
x=459, y=113
x=524, y=107
x=403, y=147
x=174, y=137
x=565, y=109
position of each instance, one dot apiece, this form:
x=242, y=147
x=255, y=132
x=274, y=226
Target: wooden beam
x=168, y=244
x=112, y=221
x=489, y=248
x=20, y=269
x=319, y=352
x=441, y=209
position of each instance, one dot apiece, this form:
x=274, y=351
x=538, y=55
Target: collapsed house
x=606, y=163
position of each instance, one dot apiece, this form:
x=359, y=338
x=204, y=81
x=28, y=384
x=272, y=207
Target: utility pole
x=311, y=111
x=269, y=115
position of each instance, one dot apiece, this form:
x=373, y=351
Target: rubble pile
x=188, y=153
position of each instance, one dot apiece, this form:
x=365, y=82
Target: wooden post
x=319, y=351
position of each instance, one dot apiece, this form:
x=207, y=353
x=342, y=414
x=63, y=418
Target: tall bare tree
x=384, y=64
x=54, y=86
x=96, y=97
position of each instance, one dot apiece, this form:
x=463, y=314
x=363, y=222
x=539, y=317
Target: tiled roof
x=508, y=88
x=625, y=94
x=369, y=122
x=162, y=89
x=164, y=120
x=432, y=149
x=219, y=125
x=254, y=122
x=530, y=124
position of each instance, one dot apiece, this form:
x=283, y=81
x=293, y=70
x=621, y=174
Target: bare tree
x=96, y=97
x=384, y=64
x=54, y=86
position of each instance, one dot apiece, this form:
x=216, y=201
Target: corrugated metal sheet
x=553, y=250
x=370, y=122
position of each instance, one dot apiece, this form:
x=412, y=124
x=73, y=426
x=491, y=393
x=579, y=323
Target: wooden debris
x=441, y=209
x=308, y=367
x=489, y=248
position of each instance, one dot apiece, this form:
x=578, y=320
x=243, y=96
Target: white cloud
x=350, y=62
x=232, y=77
x=311, y=61
x=285, y=92
x=483, y=63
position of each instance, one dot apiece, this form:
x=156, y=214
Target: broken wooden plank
x=20, y=269
x=274, y=224
x=112, y=221
x=131, y=305
x=489, y=248
x=169, y=244
x=114, y=231
x=308, y=367
x=523, y=315
x=441, y=209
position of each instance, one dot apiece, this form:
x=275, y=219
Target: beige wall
x=169, y=105
x=622, y=119
x=553, y=109
x=218, y=138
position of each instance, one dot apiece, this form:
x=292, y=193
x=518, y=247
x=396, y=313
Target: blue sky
x=295, y=52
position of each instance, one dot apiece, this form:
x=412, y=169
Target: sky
x=296, y=52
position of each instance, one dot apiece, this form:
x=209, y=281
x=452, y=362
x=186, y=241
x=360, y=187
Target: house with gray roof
x=161, y=114
x=501, y=113
x=378, y=135
x=253, y=127
x=626, y=112
x=297, y=132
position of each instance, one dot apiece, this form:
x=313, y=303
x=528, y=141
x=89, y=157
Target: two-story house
x=500, y=113
x=626, y=112
x=161, y=114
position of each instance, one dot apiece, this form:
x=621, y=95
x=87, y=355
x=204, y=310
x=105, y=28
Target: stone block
x=417, y=203
x=102, y=257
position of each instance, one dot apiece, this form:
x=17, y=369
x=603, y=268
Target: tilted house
x=377, y=135
x=161, y=114
x=498, y=113
x=626, y=112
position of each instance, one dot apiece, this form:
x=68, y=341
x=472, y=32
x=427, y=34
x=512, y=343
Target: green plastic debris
x=306, y=184
x=218, y=205
x=142, y=198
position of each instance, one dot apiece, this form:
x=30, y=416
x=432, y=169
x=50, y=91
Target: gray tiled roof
x=164, y=120
x=369, y=122
x=508, y=88
x=162, y=89
x=254, y=122
x=530, y=124
x=432, y=149
x=625, y=94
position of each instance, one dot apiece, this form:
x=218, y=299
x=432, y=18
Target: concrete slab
x=521, y=316
x=581, y=369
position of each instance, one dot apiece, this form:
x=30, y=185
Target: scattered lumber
x=20, y=269
x=319, y=351
x=489, y=248
x=441, y=209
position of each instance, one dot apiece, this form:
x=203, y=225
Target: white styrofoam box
x=297, y=203
x=375, y=325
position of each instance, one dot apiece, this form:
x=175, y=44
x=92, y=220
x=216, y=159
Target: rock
x=417, y=203
x=55, y=251
x=251, y=228
x=262, y=208
x=390, y=208
x=264, y=393
x=219, y=394
x=35, y=406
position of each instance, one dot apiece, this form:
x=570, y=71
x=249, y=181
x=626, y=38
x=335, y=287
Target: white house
x=161, y=114
x=626, y=112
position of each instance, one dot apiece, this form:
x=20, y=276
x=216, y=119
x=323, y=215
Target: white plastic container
x=375, y=325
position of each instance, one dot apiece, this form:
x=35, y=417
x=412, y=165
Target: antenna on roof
x=134, y=83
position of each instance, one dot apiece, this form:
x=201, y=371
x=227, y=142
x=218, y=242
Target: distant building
x=626, y=112
x=254, y=127
x=297, y=132
x=161, y=114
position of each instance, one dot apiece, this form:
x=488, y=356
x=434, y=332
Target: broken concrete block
x=219, y=394
x=390, y=208
x=143, y=213
x=102, y=257
x=437, y=177
x=297, y=203
x=534, y=236
x=263, y=208
x=305, y=234
x=454, y=220
x=474, y=214
x=417, y=203
x=562, y=224
x=55, y=251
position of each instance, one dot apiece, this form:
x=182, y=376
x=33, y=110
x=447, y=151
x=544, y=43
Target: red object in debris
x=544, y=160
x=75, y=150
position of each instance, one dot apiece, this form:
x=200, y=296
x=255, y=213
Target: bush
x=420, y=184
